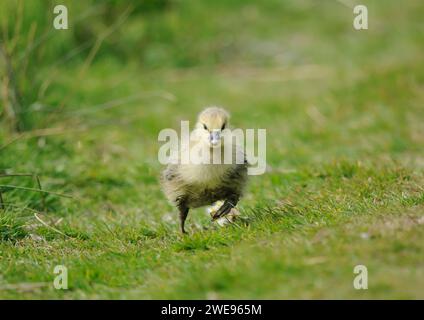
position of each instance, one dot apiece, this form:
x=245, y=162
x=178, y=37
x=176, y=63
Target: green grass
x=344, y=116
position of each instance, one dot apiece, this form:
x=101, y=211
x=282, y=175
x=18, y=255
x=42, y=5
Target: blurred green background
x=82, y=108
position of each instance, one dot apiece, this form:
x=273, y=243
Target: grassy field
x=344, y=113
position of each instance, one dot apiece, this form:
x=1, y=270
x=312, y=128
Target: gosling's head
x=210, y=124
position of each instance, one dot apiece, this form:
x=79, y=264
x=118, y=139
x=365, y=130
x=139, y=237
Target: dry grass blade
x=120, y=101
x=94, y=51
x=49, y=226
x=36, y=190
x=24, y=287
x=54, y=71
x=40, y=133
x=9, y=91
x=32, y=175
x=37, y=217
x=51, y=31
x=346, y=3
x=1, y=201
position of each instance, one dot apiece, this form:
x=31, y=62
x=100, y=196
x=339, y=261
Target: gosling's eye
x=223, y=126
x=205, y=127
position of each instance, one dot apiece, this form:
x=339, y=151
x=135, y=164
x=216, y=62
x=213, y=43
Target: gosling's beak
x=215, y=137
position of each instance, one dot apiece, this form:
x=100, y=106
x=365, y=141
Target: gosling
x=201, y=183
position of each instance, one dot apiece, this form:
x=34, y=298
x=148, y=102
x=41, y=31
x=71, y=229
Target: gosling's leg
x=225, y=208
x=183, y=217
